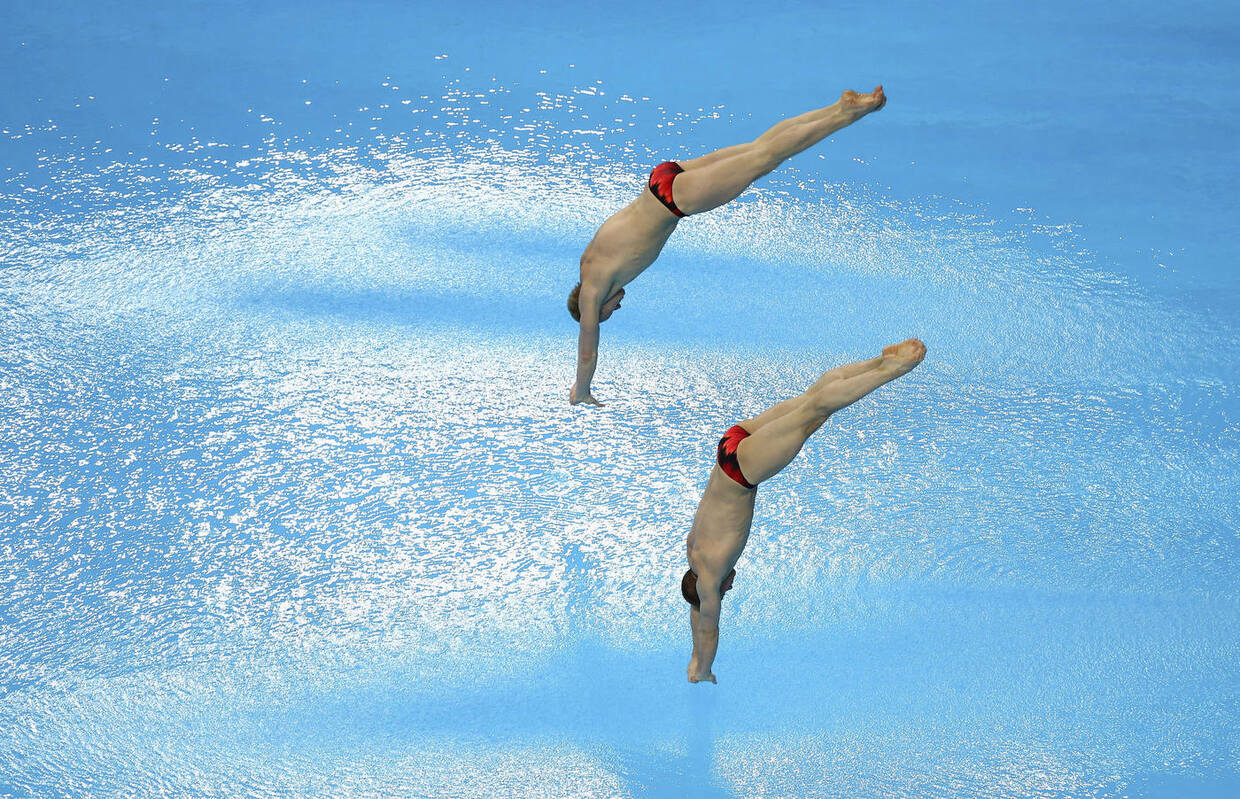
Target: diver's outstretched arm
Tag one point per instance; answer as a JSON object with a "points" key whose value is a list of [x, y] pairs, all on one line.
{"points": [[705, 621], [587, 355]]}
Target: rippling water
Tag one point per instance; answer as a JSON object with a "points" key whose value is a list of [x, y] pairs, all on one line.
{"points": [[294, 502]]}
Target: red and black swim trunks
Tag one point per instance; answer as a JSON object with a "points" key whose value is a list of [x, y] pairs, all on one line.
{"points": [[726, 454], [660, 184]]}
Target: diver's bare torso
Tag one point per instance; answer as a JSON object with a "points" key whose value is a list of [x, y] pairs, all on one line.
{"points": [[625, 246], [721, 525], [630, 241]]}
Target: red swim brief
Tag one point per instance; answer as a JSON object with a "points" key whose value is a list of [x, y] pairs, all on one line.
{"points": [[660, 184], [726, 454]]}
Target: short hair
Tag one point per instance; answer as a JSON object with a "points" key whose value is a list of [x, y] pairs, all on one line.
{"points": [[574, 309], [688, 587]]}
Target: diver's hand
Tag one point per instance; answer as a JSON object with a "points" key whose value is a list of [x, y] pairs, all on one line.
{"points": [[576, 397], [696, 675]]}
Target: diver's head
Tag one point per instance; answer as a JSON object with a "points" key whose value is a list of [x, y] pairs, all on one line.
{"points": [[688, 587], [574, 310]]}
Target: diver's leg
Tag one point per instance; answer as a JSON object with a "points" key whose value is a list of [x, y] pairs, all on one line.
{"points": [[715, 155], [779, 409], [773, 135], [737, 149], [773, 446], [717, 178]]}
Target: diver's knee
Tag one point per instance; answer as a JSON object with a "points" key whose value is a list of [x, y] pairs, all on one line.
{"points": [[763, 159]]}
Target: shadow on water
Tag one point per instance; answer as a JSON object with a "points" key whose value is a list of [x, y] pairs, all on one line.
{"points": [[938, 679], [656, 772], [633, 713], [685, 770], [1218, 785]]}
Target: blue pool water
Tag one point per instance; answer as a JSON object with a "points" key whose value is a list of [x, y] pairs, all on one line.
{"points": [[292, 502]]}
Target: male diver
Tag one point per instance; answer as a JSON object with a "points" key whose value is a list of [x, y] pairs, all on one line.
{"points": [[753, 451], [632, 238]]}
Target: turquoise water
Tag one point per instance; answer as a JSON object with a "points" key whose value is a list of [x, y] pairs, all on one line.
{"points": [[293, 502]]}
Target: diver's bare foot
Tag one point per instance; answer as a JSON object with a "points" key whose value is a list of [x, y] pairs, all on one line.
{"points": [[859, 105], [903, 357]]}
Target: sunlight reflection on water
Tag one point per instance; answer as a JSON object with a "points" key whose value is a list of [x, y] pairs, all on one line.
{"points": [[296, 423]]}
